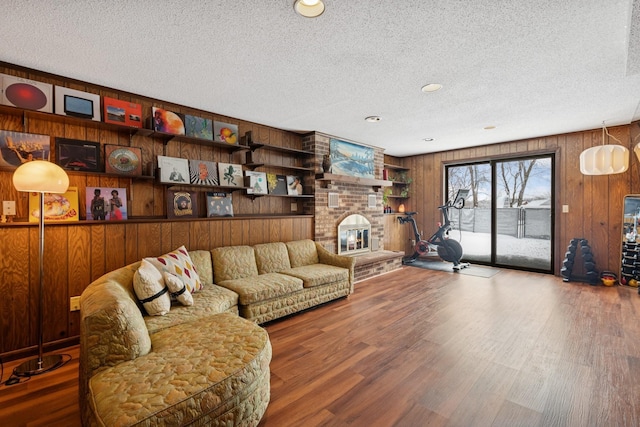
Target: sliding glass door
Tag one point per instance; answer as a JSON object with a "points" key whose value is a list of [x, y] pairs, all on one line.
{"points": [[508, 217]]}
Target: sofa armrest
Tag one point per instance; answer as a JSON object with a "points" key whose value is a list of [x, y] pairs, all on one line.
{"points": [[326, 257]]}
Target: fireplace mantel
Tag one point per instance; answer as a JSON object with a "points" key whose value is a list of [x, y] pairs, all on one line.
{"points": [[365, 182]]}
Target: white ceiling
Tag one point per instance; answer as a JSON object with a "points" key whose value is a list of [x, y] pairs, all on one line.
{"points": [[529, 68]]}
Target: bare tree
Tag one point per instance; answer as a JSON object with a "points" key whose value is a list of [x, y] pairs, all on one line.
{"points": [[515, 176]]}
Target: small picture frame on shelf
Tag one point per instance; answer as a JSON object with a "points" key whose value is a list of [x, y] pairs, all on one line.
{"points": [[123, 113], [230, 174], [78, 155], [173, 170], [17, 148], [256, 182], [167, 121], [198, 127], [219, 204], [24, 93], [294, 185], [76, 103], [122, 160], [106, 204], [182, 204], [203, 172], [225, 132], [277, 184]]}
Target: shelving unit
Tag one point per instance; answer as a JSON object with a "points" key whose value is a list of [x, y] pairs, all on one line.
{"points": [[398, 187]]}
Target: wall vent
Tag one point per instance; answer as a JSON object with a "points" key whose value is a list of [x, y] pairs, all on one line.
{"points": [[334, 200], [371, 201]]}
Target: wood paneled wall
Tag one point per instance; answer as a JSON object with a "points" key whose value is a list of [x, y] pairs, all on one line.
{"points": [[595, 202], [76, 254]]}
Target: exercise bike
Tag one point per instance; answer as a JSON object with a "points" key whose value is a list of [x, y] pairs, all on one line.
{"points": [[439, 243]]}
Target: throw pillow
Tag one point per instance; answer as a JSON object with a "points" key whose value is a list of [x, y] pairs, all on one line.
{"points": [[150, 289], [179, 263], [178, 289]]}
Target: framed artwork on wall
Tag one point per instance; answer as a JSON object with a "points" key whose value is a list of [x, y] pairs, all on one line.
{"points": [[173, 170], [78, 155], [225, 132], [256, 182], [76, 103], [203, 172], [198, 127], [25, 93], [230, 174], [167, 121], [122, 112], [182, 204], [348, 158], [123, 160], [19, 147], [219, 204], [106, 203], [57, 207]]}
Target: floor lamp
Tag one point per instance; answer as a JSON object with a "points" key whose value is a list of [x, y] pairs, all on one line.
{"points": [[40, 176]]}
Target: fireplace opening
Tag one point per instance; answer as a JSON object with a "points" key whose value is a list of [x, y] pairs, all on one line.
{"points": [[354, 235]]}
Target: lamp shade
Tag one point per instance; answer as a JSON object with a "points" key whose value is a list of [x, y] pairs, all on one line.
{"points": [[604, 160], [40, 176]]}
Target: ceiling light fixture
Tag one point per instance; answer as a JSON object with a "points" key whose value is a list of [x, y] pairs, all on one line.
{"points": [[431, 87], [490, 127], [309, 8], [605, 159], [373, 119], [427, 139]]}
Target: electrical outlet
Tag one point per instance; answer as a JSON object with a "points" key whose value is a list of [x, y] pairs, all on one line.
{"points": [[294, 207], [74, 304], [9, 207]]}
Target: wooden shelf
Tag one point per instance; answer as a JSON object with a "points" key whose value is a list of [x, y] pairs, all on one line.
{"points": [[367, 182], [167, 137], [395, 167], [254, 145], [253, 166]]}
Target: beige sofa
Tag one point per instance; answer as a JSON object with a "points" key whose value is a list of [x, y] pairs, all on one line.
{"points": [[201, 364]]}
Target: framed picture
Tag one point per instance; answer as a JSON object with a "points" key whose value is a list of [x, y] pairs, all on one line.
{"points": [[78, 155], [173, 170], [351, 159], [256, 182], [167, 121], [197, 127], [18, 147], [123, 160], [106, 203], [277, 184], [25, 93], [202, 172], [122, 112], [230, 174], [219, 204], [225, 132], [182, 204], [294, 185], [76, 103], [57, 207]]}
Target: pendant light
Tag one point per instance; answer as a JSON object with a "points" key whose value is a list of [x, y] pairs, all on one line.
{"points": [[605, 159]]}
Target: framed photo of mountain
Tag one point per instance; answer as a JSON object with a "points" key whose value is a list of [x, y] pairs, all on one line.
{"points": [[219, 204], [256, 182], [182, 204], [203, 172], [230, 175], [277, 184]]}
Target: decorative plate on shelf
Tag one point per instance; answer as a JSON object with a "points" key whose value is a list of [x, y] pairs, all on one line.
{"points": [[123, 160]]}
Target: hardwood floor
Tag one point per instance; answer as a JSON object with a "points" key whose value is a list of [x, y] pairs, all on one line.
{"points": [[418, 347]]}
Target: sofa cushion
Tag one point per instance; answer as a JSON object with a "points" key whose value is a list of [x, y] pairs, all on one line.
{"points": [[202, 263], [302, 252], [177, 289], [233, 262], [272, 257], [179, 263], [319, 274], [211, 300], [151, 290], [263, 287]]}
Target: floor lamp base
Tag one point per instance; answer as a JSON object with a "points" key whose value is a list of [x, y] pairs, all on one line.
{"points": [[37, 366]]}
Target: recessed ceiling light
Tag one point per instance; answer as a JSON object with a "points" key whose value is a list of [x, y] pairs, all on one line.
{"points": [[431, 87], [427, 139], [309, 8], [373, 119], [489, 127]]}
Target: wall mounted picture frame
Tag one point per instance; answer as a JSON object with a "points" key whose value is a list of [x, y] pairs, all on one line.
{"points": [[198, 127], [203, 172], [230, 174], [351, 159], [182, 204], [294, 185], [76, 103], [106, 204], [225, 132], [122, 160], [17, 148], [277, 184], [256, 182], [78, 155], [219, 204], [173, 170], [24, 93], [57, 207], [167, 121], [118, 112]]}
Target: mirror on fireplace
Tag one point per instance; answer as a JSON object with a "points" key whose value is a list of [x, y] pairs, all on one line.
{"points": [[630, 266]]}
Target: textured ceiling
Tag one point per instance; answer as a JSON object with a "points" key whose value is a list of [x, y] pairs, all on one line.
{"points": [[530, 69]]}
